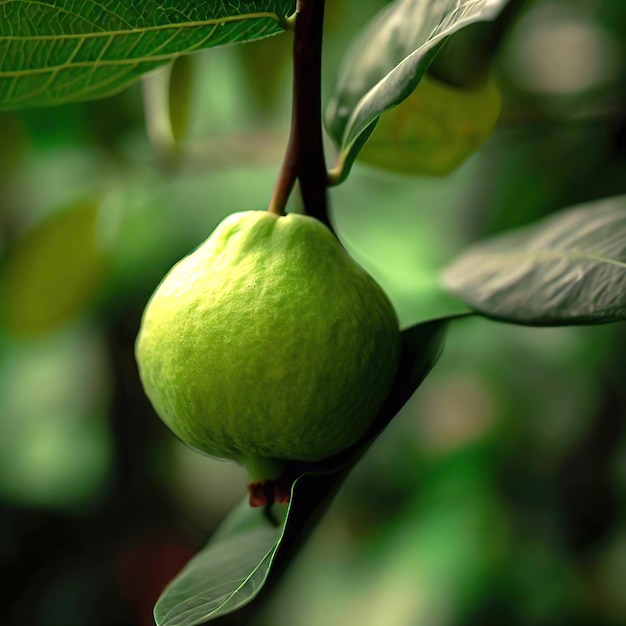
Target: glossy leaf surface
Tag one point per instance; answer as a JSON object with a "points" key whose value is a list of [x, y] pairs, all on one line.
{"points": [[57, 51], [387, 62], [567, 269], [229, 572]]}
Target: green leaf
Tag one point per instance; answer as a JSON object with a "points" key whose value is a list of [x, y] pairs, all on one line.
{"points": [[435, 129], [180, 96], [56, 51], [567, 269], [54, 270], [249, 549], [387, 62], [265, 67], [228, 573], [167, 96]]}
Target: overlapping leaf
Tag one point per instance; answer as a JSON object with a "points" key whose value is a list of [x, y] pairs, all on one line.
{"points": [[568, 269], [250, 549], [387, 62], [57, 51], [435, 129]]}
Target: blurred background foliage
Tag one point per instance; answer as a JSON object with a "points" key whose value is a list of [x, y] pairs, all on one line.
{"points": [[497, 496]]}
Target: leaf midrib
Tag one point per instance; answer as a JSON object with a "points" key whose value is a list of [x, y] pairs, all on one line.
{"points": [[147, 29], [189, 612], [555, 254]]}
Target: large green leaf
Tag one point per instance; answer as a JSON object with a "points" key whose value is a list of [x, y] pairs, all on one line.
{"points": [[57, 51], [251, 548], [567, 269], [388, 60]]}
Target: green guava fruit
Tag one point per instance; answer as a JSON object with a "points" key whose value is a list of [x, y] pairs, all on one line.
{"points": [[268, 344]]}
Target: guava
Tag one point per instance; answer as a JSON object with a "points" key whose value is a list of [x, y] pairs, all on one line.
{"points": [[268, 344]]}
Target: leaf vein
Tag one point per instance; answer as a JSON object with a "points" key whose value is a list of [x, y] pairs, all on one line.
{"points": [[556, 254], [160, 28]]}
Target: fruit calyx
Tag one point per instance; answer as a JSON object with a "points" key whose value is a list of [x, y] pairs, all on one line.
{"points": [[267, 481], [268, 492]]}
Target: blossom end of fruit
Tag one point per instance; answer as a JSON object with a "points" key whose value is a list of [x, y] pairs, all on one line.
{"points": [[268, 492]]}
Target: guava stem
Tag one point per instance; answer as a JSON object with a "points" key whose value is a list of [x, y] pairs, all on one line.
{"points": [[265, 484], [284, 185], [304, 159], [269, 492]]}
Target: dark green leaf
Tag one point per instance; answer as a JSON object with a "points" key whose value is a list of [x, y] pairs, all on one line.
{"points": [[250, 550], [387, 62], [181, 89], [567, 269], [57, 51]]}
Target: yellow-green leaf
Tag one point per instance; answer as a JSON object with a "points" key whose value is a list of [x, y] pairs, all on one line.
{"points": [[53, 271], [435, 129], [180, 96]]}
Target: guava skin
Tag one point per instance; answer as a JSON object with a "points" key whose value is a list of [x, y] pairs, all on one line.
{"points": [[268, 343]]}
